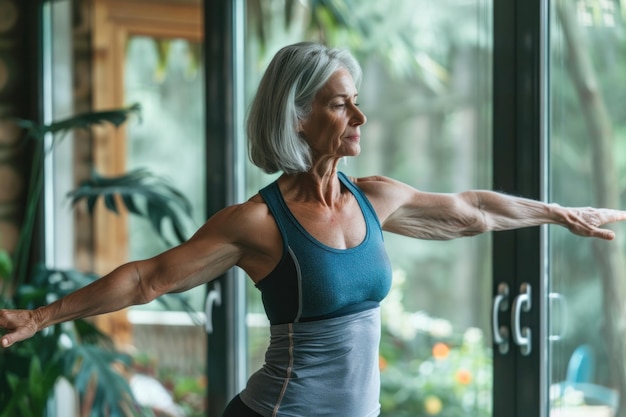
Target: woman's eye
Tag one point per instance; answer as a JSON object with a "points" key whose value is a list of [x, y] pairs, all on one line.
{"points": [[342, 105]]}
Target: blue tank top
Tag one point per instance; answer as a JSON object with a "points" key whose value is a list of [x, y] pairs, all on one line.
{"points": [[314, 281], [322, 303]]}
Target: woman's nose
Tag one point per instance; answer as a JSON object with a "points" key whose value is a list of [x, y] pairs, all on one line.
{"points": [[358, 118]]}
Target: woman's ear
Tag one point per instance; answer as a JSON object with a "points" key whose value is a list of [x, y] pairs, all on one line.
{"points": [[300, 129]]}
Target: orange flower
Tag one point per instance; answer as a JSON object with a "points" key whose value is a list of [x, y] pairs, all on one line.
{"points": [[382, 363], [440, 351], [463, 376]]}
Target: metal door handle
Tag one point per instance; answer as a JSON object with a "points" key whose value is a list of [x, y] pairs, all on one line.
{"points": [[555, 296], [500, 333], [522, 336], [214, 297]]}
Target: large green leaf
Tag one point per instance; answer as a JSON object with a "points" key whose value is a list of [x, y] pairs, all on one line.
{"points": [[141, 193], [80, 121], [92, 372]]}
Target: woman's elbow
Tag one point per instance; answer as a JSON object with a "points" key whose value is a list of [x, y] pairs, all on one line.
{"points": [[143, 289], [475, 226]]}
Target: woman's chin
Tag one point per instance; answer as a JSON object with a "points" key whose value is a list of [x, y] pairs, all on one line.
{"points": [[354, 150]]}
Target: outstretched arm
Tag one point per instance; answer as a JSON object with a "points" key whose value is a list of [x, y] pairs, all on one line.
{"points": [[208, 254], [409, 212]]}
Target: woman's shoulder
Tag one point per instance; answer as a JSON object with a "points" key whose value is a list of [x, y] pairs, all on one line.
{"points": [[249, 224], [377, 185], [257, 235], [385, 194], [252, 212]]}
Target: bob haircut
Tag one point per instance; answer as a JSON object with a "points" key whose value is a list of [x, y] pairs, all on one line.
{"points": [[285, 98]]}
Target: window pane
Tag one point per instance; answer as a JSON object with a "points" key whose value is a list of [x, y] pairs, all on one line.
{"points": [[427, 95], [165, 76], [587, 150]]}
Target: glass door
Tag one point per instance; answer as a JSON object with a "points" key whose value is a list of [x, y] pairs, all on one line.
{"points": [[586, 340], [427, 95]]}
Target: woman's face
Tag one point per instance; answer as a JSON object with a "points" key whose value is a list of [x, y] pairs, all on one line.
{"points": [[333, 127]]}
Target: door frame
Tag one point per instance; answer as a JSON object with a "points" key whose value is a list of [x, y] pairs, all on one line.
{"points": [[224, 56], [520, 115]]}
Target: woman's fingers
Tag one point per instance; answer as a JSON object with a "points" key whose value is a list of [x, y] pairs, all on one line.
{"points": [[604, 234], [17, 324], [587, 221]]}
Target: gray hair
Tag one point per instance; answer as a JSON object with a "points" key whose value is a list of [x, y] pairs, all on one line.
{"points": [[285, 98]]}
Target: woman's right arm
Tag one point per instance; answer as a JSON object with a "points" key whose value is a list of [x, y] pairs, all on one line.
{"points": [[217, 246]]}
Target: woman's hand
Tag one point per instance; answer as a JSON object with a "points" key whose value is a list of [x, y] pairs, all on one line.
{"points": [[21, 325], [587, 221]]}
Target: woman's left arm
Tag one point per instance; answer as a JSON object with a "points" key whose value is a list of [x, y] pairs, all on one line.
{"points": [[407, 211]]}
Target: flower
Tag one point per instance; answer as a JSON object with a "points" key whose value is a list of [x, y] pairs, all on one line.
{"points": [[432, 405], [440, 351], [473, 336], [440, 328], [463, 376], [382, 363]]}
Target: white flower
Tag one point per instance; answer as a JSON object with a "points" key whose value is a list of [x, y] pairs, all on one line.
{"points": [[441, 328], [473, 336]]}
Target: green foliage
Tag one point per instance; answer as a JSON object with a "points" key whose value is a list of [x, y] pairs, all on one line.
{"points": [[91, 372], [86, 120], [6, 265], [428, 369], [76, 351], [456, 383], [413, 39], [187, 391], [30, 395], [160, 200], [35, 133]]}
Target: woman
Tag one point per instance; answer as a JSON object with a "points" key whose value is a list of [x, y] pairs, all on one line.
{"points": [[312, 243]]}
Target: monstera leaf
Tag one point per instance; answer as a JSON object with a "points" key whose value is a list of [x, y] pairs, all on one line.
{"points": [[81, 121], [141, 193], [91, 370]]}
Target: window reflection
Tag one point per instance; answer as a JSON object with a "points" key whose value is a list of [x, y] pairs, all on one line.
{"points": [[588, 127]]}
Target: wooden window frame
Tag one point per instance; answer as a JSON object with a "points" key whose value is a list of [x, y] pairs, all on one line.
{"points": [[114, 22]]}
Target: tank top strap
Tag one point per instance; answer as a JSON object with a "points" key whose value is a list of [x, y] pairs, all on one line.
{"points": [[368, 210], [272, 197]]}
